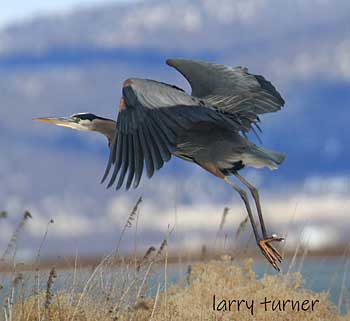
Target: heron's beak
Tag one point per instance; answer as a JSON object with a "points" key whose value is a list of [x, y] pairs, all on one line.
{"points": [[61, 121]]}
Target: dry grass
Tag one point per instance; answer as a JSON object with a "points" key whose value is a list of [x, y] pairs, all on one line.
{"points": [[11, 246], [139, 290], [192, 302]]}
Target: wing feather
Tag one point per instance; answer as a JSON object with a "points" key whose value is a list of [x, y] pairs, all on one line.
{"points": [[139, 159], [112, 155], [231, 90], [131, 158], [158, 138], [149, 136], [124, 161], [150, 121], [169, 134], [146, 152], [117, 149]]}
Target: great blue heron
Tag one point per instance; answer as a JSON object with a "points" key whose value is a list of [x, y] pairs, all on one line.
{"points": [[157, 120]]}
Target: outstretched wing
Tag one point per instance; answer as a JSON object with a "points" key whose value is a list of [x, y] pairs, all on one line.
{"points": [[231, 90], [151, 117]]}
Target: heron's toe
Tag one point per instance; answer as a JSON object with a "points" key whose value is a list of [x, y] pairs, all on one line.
{"points": [[275, 239], [271, 254]]}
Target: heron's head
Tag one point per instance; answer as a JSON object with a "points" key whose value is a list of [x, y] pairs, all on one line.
{"points": [[86, 122], [81, 121]]}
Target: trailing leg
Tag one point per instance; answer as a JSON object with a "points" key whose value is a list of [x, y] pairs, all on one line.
{"points": [[255, 194], [264, 244]]}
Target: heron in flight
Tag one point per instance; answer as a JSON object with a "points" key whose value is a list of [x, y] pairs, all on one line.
{"points": [[157, 120]]}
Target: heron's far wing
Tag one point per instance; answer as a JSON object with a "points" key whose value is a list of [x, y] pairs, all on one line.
{"points": [[151, 116], [231, 90]]}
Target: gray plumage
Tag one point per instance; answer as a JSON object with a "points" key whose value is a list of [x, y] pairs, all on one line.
{"points": [[207, 126], [157, 120]]}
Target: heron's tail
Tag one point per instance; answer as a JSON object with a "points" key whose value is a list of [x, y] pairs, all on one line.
{"points": [[276, 157], [261, 157]]}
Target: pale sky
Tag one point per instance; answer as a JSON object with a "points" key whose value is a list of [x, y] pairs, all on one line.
{"points": [[306, 58], [15, 10]]}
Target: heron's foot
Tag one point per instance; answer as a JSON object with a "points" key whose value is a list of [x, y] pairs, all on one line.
{"points": [[271, 254]]}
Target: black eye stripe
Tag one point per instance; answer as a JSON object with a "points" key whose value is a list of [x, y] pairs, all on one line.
{"points": [[87, 116]]}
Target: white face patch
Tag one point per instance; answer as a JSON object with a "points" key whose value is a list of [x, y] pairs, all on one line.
{"points": [[81, 121], [84, 124]]}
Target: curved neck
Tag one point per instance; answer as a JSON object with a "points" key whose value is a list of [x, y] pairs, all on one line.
{"points": [[105, 127]]}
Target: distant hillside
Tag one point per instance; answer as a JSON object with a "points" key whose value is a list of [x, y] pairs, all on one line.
{"points": [[57, 65]]}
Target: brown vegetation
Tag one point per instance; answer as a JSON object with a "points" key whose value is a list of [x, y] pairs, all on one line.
{"points": [[193, 301], [137, 288]]}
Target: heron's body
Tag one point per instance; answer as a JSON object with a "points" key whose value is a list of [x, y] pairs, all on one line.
{"points": [[226, 150], [157, 121]]}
